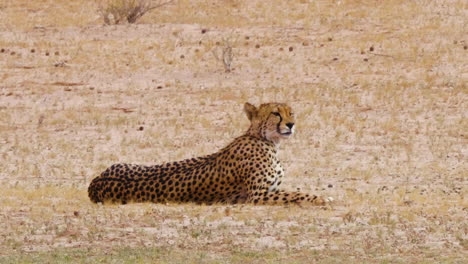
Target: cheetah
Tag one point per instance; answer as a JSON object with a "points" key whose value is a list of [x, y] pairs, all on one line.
{"points": [[246, 171]]}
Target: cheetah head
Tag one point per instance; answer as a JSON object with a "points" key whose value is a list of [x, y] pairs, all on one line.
{"points": [[272, 121]]}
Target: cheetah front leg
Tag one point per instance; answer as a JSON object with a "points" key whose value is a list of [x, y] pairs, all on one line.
{"points": [[262, 188], [259, 192], [282, 198]]}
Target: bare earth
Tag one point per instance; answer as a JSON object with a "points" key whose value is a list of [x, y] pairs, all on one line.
{"points": [[380, 94]]}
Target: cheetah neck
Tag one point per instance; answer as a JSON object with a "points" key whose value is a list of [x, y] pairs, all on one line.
{"points": [[257, 133], [258, 136]]}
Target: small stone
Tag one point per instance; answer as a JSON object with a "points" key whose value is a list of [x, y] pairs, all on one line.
{"points": [[408, 202]]}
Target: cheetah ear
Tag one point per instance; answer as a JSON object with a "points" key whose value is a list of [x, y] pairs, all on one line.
{"points": [[250, 110]]}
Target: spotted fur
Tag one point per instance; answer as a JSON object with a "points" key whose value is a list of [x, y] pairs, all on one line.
{"points": [[246, 171]]}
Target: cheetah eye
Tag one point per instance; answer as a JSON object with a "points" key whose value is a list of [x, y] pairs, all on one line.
{"points": [[291, 114], [276, 113]]}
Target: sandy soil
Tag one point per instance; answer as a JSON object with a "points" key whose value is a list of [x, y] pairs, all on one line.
{"points": [[380, 95]]}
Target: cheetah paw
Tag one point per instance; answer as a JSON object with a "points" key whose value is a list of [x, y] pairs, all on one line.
{"points": [[321, 201]]}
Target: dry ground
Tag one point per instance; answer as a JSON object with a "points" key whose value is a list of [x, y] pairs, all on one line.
{"points": [[379, 88]]}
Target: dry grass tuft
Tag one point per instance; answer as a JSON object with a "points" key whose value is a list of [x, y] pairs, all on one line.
{"points": [[127, 11], [223, 53]]}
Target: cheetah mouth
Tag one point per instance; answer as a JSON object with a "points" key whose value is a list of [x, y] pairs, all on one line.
{"points": [[286, 134]]}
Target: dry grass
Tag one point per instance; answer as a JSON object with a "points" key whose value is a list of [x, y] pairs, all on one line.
{"points": [[127, 11], [380, 95]]}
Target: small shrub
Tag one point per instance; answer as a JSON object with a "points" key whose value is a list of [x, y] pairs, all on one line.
{"points": [[226, 56], [121, 11]]}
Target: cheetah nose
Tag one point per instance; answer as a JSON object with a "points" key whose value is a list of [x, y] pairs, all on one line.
{"points": [[290, 125]]}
